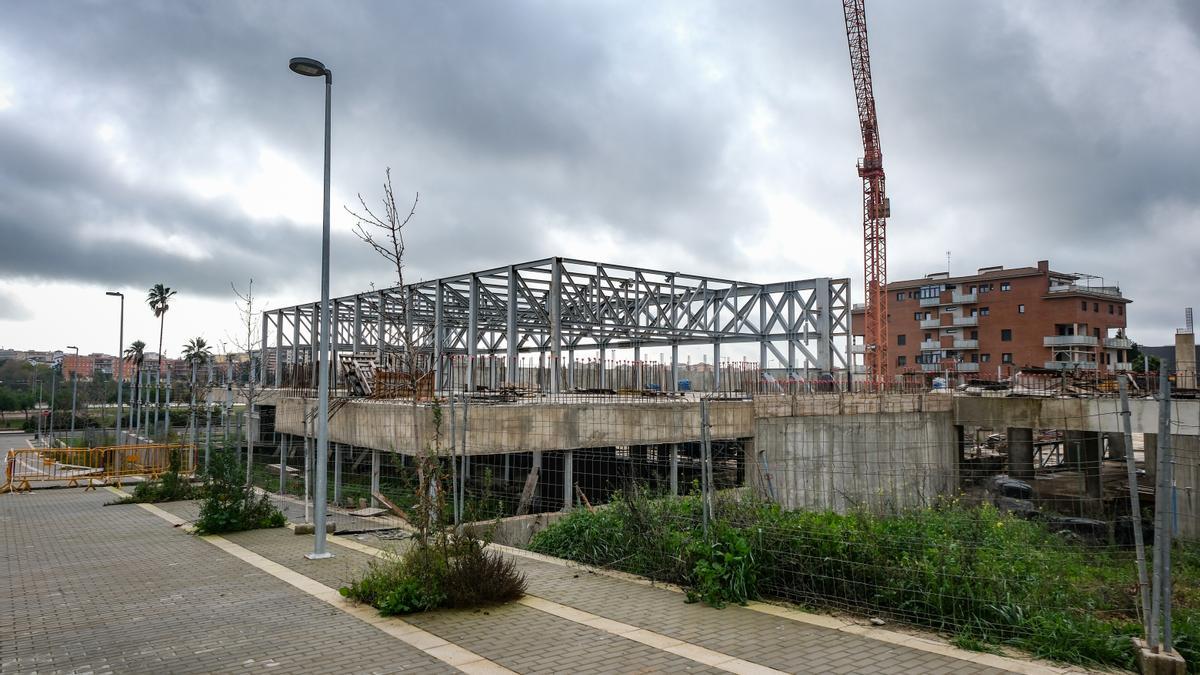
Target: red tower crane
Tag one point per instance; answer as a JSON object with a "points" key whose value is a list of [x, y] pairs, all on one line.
{"points": [[876, 206]]}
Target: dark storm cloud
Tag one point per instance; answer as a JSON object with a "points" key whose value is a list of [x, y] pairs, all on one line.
{"points": [[521, 122]]}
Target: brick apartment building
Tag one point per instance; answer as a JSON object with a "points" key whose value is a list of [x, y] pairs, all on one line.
{"points": [[1000, 320]]}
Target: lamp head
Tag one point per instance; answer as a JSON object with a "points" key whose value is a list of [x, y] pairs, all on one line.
{"points": [[303, 65]]}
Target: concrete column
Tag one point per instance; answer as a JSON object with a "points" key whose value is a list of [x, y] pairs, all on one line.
{"points": [[603, 364], [466, 466], [568, 479], [716, 366], [1073, 450], [675, 468], [637, 366], [824, 326], [507, 467], [337, 473], [1093, 462], [1020, 453], [571, 368], [1116, 444], [674, 367], [374, 476]]}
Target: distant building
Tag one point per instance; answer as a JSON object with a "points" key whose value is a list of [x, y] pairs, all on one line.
{"points": [[999, 320]]}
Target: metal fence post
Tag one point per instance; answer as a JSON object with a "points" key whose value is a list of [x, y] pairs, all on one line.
{"points": [[1135, 508]]}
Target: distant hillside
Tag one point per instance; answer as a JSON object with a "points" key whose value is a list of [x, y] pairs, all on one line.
{"points": [[1165, 354]]}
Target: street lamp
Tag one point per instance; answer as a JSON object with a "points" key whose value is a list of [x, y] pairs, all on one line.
{"points": [[118, 366], [313, 68], [74, 388]]}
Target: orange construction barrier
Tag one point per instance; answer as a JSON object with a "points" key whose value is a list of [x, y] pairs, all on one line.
{"points": [[68, 466]]}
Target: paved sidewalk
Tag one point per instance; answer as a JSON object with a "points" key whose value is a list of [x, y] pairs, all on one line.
{"points": [[119, 589]]}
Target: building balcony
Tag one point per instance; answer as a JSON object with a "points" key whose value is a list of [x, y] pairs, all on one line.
{"points": [[967, 367], [930, 302], [966, 321], [1070, 365], [1110, 291], [1069, 341], [963, 298], [1124, 366], [930, 368], [966, 344], [1118, 343], [931, 323], [931, 345]]}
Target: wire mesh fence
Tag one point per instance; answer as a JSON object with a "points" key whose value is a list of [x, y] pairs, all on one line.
{"points": [[999, 524]]}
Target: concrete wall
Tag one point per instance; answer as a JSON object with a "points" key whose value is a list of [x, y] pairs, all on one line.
{"points": [[1083, 414], [1186, 451], [499, 429], [880, 460]]}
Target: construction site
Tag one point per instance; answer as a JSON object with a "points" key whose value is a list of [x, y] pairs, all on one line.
{"points": [[723, 416]]}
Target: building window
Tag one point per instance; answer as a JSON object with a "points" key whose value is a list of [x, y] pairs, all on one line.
{"points": [[985, 358], [984, 311], [1005, 287], [974, 335], [1095, 307], [902, 360], [1006, 335], [1006, 357], [928, 336], [1020, 309], [1083, 304], [900, 297], [901, 340], [974, 358], [917, 316], [985, 288], [931, 291], [1110, 309]]}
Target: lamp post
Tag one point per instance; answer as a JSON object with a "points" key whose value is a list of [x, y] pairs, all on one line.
{"points": [[119, 365], [313, 68], [74, 388]]}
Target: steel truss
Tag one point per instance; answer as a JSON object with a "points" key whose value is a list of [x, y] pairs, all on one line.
{"points": [[549, 305]]}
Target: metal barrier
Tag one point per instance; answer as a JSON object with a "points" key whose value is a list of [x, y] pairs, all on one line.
{"points": [[68, 466]]}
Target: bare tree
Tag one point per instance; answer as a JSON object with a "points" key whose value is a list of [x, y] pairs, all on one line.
{"points": [[245, 384], [383, 231]]}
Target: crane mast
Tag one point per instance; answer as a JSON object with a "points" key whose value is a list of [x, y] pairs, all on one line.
{"points": [[876, 207]]}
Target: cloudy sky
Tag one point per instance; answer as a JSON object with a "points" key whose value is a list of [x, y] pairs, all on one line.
{"points": [[145, 142]]}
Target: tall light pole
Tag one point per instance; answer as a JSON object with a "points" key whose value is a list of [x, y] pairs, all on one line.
{"points": [[74, 388], [313, 68], [119, 365]]}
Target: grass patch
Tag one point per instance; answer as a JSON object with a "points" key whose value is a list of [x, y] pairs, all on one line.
{"points": [[449, 572], [986, 578]]}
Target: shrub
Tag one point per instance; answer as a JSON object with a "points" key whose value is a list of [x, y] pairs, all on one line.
{"points": [[229, 505], [170, 487], [984, 576], [456, 573]]}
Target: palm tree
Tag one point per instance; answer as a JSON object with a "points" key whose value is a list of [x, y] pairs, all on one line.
{"points": [[135, 355], [157, 299], [197, 352]]}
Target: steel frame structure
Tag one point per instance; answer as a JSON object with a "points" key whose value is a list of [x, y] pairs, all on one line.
{"points": [[557, 304]]}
